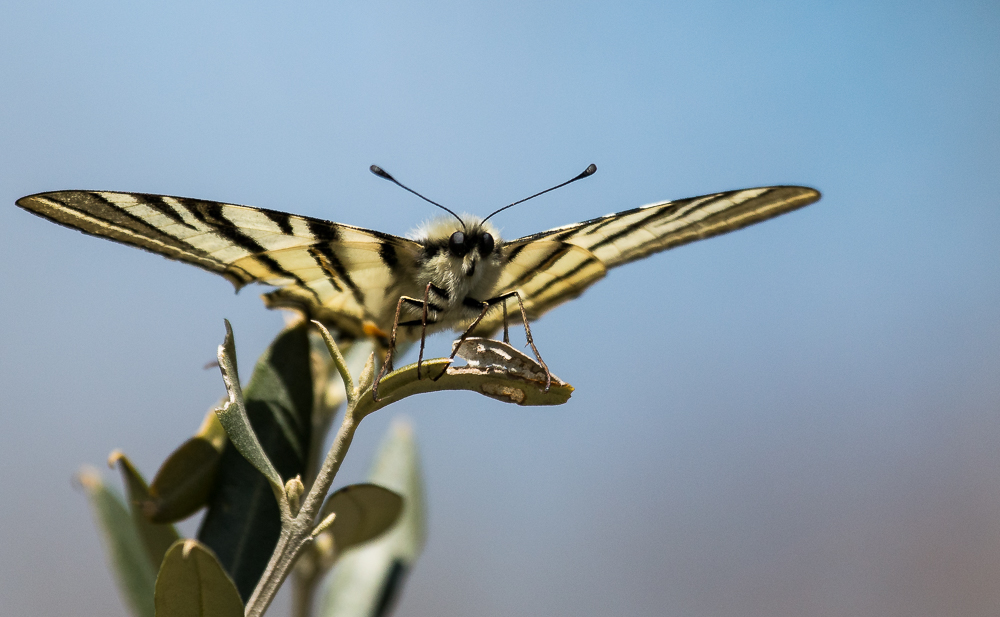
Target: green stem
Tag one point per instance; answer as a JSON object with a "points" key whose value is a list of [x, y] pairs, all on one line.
{"points": [[296, 531]]}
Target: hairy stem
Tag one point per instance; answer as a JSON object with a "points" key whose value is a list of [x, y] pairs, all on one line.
{"points": [[296, 532]]}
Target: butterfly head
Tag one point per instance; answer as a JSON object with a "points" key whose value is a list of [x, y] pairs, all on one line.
{"points": [[461, 242], [464, 257], [467, 246]]}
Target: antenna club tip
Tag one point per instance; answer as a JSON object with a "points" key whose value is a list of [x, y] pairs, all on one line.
{"points": [[589, 171], [378, 171]]}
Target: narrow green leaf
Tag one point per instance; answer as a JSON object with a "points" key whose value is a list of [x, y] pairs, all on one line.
{"points": [[356, 354], [397, 468], [243, 522], [126, 551], [211, 429], [156, 537], [192, 583], [184, 481], [367, 377], [363, 511], [367, 580], [338, 360], [233, 416], [506, 383]]}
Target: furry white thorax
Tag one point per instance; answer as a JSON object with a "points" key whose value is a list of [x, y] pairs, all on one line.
{"points": [[472, 277]]}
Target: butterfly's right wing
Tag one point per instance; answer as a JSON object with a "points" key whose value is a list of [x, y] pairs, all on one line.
{"points": [[545, 273], [554, 266], [341, 274], [623, 237]]}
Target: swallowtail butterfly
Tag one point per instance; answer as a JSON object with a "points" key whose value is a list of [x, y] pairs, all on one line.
{"points": [[449, 274]]}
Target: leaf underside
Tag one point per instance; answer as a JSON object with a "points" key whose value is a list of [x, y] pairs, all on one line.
{"points": [[242, 523], [368, 579], [126, 550], [192, 583]]}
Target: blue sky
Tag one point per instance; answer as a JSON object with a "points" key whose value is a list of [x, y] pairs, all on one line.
{"points": [[799, 418]]}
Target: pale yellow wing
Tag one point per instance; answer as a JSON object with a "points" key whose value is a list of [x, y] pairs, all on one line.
{"points": [[545, 273], [335, 272], [554, 266]]}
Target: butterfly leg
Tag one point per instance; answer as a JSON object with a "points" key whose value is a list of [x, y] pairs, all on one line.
{"points": [[502, 299], [465, 335], [387, 365], [527, 334], [423, 330], [506, 334]]}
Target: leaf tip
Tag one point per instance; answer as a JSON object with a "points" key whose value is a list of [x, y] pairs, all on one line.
{"points": [[402, 427], [189, 545], [367, 377], [89, 478], [115, 456]]}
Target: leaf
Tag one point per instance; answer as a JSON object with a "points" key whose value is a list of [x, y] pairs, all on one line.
{"points": [[507, 383], [367, 580], [242, 523], [129, 560], [233, 415], [490, 353], [338, 360], [156, 537], [192, 583], [184, 481], [363, 511]]}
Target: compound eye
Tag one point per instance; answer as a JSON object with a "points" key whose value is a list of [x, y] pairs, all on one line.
{"points": [[456, 244], [486, 244]]}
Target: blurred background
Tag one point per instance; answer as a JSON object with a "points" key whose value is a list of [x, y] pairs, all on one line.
{"points": [[801, 418]]}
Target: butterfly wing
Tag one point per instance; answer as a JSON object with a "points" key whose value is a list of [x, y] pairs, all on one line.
{"points": [[546, 273], [554, 266], [342, 274]]}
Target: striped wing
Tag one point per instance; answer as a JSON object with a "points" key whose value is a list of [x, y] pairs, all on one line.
{"points": [[554, 266], [344, 275]]}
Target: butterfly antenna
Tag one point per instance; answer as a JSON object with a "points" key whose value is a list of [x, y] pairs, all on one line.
{"points": [[381, 173], [589, 171]]}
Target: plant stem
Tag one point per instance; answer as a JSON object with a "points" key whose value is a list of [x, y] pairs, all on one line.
{"points": [[296, 531]]}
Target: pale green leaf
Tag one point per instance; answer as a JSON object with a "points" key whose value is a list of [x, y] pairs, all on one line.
{"points": [[368, 578], [191, 583], [338, 360], [243, 520], [184, 481], [130, 562], [156, 537], [363, 511], [233, 416], [509, 384]]}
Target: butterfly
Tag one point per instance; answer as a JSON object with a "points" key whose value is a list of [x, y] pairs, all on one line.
{"points": [[452, 273]]}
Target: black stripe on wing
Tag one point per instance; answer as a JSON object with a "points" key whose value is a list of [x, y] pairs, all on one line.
{"points": [[557, 265], [545, 273], [331, 258], [241, 243], [633, 234], [94, 214]]}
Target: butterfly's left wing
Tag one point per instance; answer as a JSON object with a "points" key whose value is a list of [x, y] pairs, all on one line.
{"points": [[347, 276], [554, 266]]}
